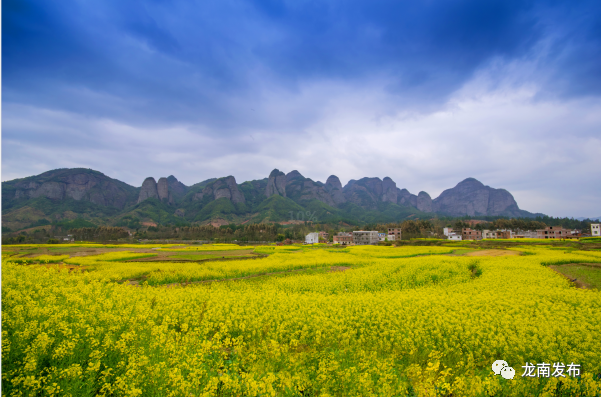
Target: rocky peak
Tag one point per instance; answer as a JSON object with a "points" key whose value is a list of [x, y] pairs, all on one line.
{"points": [[389, 190], [164, 191], [71, 183], [176, 186], [470, 183], [148, 190], [222, 187], [471, 197], [334, 188], [292, 175], [276, 184], [424, 202], [365, 192], [406, 198], [333, 182]]}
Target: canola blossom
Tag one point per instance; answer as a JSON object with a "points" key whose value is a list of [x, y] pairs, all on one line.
{"points": [[41, 259], [359, 321]]}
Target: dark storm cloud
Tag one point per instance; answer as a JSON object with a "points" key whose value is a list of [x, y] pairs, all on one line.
{"points": [[163, 62]]}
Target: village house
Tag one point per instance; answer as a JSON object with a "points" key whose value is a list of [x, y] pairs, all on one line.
{"points": [[552, 232], [324, 236], [524, 234], [489, 234], [447, 231], [596, 229], [365, 237], [343, 238], [504, 234], [454, 237], [312, 238], [396, 231], [469, 234]]}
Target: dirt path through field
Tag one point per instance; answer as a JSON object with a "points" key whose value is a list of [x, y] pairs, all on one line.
{"points": [[493, 252]]}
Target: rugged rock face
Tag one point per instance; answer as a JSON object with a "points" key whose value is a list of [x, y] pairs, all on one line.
{"points": [[373, 186], [389, 190], [300, 188], [292, 175], [176, 186], [148, 190], [364, 192], [334, 187], [406, 198], [77, 184], [471, 197], [312, 190], [424, 202], [223, 187], [163, 189], [276, 183]]}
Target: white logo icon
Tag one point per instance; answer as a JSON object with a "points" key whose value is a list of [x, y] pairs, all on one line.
{"points": [[508, 373], [501, 367], [498, 365]]}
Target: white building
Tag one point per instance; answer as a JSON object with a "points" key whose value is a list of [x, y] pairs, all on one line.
{"points": [[447, 231], [454, 236], [312, 238], [595, 229], [365, 238], [385, 237], [489, 234]]}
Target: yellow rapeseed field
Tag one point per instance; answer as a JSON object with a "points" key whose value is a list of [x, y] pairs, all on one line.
{"points": [[359, 321]]}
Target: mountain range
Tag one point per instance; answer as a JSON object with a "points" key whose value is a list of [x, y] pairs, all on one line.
{"points": [[64, 195]]}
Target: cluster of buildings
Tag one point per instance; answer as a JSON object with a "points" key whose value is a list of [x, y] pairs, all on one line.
{"points": [[550, 232], [359, 237], [362, 237]]}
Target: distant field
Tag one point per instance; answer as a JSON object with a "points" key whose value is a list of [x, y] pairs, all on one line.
{"points": [[298, 320], [214, 255]]}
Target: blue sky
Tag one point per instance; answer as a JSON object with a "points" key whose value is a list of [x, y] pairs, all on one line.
{"points": [[425, 92]]}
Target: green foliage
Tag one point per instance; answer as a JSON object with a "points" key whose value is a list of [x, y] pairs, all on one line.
{"points": [[323, 213], [475, 268], [81, 207], [276, 209], [155, 211], [220, 208], [40, 222], [52, 241], [385, 212], [254, 192], [99, 233], [590, 240], [129, 221], [74, 224]]}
